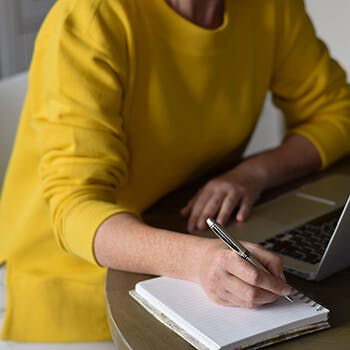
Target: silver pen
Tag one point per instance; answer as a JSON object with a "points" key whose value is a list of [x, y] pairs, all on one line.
{"points": [[236, 246]]}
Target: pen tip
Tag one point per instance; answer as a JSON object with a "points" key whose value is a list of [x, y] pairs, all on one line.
{"points": [[289, 299]]}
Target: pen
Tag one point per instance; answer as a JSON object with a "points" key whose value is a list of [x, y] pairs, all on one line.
{"points": [[237, 247]]}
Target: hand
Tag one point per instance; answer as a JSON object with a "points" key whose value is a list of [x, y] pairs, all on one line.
{"points": [[229, 280], [238, 188]]}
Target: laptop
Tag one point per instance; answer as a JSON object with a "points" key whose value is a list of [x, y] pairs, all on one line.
{"points": [[309, 227]]}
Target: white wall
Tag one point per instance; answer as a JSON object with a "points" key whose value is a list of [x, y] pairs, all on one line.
{"points": [[332, 22], [19, 23], [331, 19]]}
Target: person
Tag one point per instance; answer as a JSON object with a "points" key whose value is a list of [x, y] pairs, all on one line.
{"points": [[127, 100]]}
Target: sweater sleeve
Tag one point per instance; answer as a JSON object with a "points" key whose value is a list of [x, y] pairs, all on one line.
{"points": [[77, 86], [309, 86]]}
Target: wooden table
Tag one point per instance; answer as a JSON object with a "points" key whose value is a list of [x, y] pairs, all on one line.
{"points": [[132, 327]]}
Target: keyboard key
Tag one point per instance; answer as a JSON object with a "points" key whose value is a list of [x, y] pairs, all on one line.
{"points": [[306, 242]]}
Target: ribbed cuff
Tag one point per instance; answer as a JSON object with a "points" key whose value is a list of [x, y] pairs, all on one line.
{"points": [[331, 141]]}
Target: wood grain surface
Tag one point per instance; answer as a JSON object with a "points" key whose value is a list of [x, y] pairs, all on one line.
{"points": [[132, 327]]}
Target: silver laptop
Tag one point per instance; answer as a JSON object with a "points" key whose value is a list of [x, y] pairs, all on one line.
{"points": [[309, 227]]}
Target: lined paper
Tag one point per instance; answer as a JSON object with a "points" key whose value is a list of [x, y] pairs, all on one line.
{"points": [[219, 326]]}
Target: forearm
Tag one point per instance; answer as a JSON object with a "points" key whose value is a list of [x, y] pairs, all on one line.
{"points": [[124, 242], [294, 158]]}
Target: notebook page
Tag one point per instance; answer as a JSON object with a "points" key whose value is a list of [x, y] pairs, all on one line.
{"points": [[217, 326]]}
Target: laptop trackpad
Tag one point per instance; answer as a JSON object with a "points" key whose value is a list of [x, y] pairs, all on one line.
{"points": [[334, 188], [291, 209]]}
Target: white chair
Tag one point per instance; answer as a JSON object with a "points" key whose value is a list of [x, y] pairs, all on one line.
{"points": [[12, 93]]}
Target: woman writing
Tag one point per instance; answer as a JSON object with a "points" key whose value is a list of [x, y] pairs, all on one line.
{"points": [[128, 100]]}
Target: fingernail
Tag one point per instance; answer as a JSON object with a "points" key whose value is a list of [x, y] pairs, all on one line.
{"points": [[240, 217], [286, 290], [283, 276]]}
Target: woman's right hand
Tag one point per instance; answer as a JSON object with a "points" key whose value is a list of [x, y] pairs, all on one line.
{"points": [[231, 281]]}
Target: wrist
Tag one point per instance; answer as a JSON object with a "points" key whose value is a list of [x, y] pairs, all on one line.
{"points": [[206, 256], [253, 171], [199, 256]]}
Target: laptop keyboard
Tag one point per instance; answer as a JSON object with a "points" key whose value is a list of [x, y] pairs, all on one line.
{"points": [[306, 242]]}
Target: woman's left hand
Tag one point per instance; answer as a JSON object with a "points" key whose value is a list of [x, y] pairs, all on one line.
{"points": [[236, 189]]}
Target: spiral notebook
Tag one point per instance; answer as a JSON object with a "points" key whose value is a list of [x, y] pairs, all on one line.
{"points": [[184, 307]]}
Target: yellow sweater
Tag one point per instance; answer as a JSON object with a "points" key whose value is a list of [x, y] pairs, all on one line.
{"points": [[126, 101]]}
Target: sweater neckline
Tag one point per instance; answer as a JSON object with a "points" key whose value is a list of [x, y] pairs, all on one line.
{"points": [[185, 23], [179, 31]]}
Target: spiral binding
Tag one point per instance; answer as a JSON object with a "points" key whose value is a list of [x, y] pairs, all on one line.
{"points": [[302, 297]]}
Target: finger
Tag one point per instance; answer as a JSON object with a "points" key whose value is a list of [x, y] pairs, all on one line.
{"points": [[221, 300], [197, 208], [227, 207], [226, 292], [258, 278], [185, 211], [245, 208], [282, 275], [210, 209], [234, 300], [250, 295], [236, 292], [271, 261]]}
